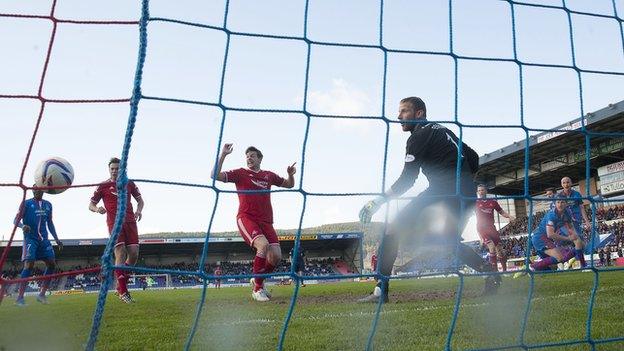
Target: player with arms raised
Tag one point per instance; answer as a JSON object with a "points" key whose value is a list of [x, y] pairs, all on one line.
{"points": [[490, 237], [255, 213], [36, 215], [127, 246]]}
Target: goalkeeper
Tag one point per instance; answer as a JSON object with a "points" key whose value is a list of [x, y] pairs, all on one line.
{"points": [[433, 148]]}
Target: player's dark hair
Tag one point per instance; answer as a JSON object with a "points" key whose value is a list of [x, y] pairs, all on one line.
{"points": [[254, 149], [113, 160], [482, 186], [417, 103]]}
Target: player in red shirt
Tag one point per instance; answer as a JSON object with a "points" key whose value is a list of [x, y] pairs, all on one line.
{"points": [[490, 237], [218, 273], [127, 246], [255, 214], [374, 263]]}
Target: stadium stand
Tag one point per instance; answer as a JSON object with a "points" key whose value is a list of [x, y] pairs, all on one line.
{"points": [[328, 254], [554, 155]]}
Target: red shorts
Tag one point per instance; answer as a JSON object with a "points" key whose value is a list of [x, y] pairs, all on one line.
{"points": [[250, 229], [129, 234], [489, 235]]}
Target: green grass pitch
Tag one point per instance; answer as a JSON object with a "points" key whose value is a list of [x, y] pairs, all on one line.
{"points": [[327, 318]]}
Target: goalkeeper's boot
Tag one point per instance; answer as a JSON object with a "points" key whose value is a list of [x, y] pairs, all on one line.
{"points": [[260, 295], [20, 302], [375, 296], [42, 299]]}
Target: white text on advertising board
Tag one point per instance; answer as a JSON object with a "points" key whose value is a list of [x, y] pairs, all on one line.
{"points": [[612, 168], [612, 187]]}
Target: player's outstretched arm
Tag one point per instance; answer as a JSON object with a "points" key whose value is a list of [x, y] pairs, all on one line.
{"points": [[370, 208], [138, 214], [94, 208], [50, 224], [216, 171], [507, 215], [290, 181], [406, 180]]}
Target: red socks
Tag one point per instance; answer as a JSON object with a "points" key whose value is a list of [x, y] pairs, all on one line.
{"points": [[122, 281], [492, 259], [259, 267], [503, 261]]}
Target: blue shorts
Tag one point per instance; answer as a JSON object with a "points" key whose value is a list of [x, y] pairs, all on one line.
{"points": [[541, 243], [577, 227], [35, 250]]}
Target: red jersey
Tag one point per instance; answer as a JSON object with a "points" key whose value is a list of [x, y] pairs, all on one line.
{"points": [[218, 271], [255, 205], [374, 261], [107, 191], [485, 212]]}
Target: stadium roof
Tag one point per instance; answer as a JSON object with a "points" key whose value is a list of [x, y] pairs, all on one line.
{"points": [[556, 153]]}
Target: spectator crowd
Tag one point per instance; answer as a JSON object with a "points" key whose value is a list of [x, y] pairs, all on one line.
{"points": [[91, 281]]}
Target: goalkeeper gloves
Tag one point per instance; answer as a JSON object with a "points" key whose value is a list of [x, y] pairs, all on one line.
{"points": [[367, 212]]}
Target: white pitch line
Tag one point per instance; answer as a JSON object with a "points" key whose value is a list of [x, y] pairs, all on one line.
{"points": [[392, 311]]}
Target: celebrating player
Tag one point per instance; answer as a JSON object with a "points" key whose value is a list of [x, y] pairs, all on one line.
{"points": [[127, 246], [486, 229], [36, 214], [255, 214], [548, 234], [433, 148]]}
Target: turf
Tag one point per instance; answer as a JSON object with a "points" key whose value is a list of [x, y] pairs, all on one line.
{"points": [[326, 317]]}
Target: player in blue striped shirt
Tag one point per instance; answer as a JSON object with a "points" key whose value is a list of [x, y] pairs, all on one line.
{"points": [[548, 235], [35, 219]]}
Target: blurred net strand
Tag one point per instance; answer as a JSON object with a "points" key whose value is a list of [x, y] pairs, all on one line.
{"points": [[137, 95]]}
